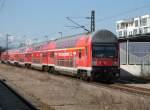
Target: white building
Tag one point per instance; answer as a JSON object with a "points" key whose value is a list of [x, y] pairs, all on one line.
{"points": [[133, 26]]}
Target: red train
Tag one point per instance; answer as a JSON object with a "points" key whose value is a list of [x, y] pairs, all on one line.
{"points": [[88, 56]]}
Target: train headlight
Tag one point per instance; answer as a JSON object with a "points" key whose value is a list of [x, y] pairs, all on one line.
{"points": [[117, 75], [94, 63], [115, 63]]}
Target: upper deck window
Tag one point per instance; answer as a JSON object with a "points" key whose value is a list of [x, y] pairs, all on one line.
{"points": [[52, 54], [104, 51]]}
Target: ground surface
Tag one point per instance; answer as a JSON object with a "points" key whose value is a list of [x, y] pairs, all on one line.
{"points": [[63, 93], [9, 100]]}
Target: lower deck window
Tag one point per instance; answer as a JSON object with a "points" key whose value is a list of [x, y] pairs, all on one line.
{"points": [[36, 61], [66, 63]]}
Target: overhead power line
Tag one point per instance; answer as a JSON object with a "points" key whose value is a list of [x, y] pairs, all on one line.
{"points": [[83, 27], [82, 17], [123, 13]]}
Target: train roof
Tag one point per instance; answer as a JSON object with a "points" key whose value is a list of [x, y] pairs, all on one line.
{"points": [[67, 42], [104, 36], [101, 36]]}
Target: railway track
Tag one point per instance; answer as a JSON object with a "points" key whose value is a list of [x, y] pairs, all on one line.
{"points": [[125, 88], [117, 86], [131, 89], [11, 100]]}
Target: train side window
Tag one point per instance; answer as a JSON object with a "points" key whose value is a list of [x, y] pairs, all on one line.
{"points": [[27, 55], [80, 53], [44, 55], [52, 54]]}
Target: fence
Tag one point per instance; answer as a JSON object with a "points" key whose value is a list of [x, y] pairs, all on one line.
{"points": [[145, 66], [136, 52]]}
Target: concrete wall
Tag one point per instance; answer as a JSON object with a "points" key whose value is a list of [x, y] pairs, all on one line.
{"points": [[130, 70]]}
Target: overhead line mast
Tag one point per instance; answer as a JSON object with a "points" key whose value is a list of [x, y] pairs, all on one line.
{"points": [[92, 21]]}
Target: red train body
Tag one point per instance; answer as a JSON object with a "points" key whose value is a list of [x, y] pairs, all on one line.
{"points": [[94, 55]]}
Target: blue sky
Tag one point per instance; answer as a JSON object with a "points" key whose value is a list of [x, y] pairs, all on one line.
{"points": [[37, 18]]}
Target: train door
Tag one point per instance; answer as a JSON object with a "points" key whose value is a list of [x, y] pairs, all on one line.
{"points": [[51, 58], [80, 57], [74, 59], [44, 58]]}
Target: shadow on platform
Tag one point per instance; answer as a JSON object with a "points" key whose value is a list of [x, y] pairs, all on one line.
{"points": [[128, 78]]}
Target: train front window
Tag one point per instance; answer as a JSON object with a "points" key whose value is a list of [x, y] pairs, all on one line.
{"points": [[104, 51]]}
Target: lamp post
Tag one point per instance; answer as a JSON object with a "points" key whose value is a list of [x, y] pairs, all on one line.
{"points": [[60, 34], [46, 37]]}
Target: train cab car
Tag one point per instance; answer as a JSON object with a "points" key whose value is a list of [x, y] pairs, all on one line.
{"points": [[105, 55], [88, 56]]}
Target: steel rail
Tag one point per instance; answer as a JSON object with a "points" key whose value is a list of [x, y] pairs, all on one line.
{"points": [[115, 86], [131, 89]]}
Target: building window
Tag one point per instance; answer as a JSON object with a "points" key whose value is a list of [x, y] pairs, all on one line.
{"points": [[145, 30], [130, 32], [136, 23], [126, 26], [120, 33], [125, 33], [140, 31], [143, 21], [134, 31]]}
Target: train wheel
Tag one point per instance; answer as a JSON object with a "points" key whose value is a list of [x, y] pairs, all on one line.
{"points": [[83, 75], [26, 65], [29, 66], [51, 70], [93, 77], [43, 68]]}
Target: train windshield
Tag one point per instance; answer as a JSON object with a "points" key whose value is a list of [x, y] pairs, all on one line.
{"points": [[104, 51]]}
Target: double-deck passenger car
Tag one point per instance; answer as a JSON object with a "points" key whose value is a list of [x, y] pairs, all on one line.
{"points": [[88, 56]]}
